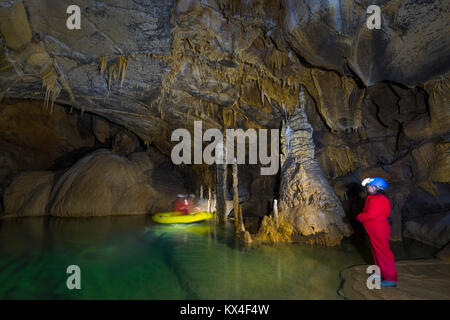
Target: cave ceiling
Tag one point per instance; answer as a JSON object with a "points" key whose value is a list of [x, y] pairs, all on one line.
{"points": [[153, 66]]}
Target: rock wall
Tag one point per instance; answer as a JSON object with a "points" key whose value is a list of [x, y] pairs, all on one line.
{"points": [[34, 138], [100, 184], [28, 194]]}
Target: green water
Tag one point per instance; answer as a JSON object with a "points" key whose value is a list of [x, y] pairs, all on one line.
{"points": [[134, 258]]}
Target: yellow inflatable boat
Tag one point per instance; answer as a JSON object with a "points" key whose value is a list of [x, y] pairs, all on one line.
{"points": [[179, 217]]}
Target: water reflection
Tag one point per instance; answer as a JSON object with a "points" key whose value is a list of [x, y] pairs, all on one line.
{"points": [[134, 258]]}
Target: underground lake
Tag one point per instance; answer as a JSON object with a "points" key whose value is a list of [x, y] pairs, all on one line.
{"points": [[135, 258], [195, 150]]}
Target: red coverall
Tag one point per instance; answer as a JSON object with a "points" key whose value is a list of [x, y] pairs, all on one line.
{"points": [[374, 219], [186, 206], [183, 205]]}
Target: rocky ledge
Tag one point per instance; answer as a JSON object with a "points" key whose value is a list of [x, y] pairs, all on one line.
{"points": [[417, 280]]}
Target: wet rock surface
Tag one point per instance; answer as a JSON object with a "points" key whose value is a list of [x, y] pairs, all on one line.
{"points": [[417, 280], [433, 229]]}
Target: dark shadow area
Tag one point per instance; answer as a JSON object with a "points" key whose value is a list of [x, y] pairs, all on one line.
{"points": [[352, 207], [70, 158]]}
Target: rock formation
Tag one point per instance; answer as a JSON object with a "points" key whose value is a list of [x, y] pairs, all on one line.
{"points": [[421, 279], [378, 106], [28, 194], [99, 184], [310, 208], [34, 139]]}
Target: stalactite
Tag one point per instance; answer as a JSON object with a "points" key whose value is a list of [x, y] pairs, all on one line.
{"points": [[115, 70], [236, 197], [229, 117], [276, 59], [103, 65], [123, 62], [52, 88], [262, 96], [209, 198]]}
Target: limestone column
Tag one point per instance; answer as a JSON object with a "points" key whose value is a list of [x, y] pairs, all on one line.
{"points": [[309, 208]]}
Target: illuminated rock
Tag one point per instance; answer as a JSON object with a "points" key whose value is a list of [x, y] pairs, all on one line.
{"points": [[310, 209]]}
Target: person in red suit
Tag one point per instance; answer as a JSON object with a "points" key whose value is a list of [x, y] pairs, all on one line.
{"points": [[185, 204], [376, 222]]}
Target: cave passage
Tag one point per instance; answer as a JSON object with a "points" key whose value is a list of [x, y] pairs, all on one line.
{"points": [[94, 95]]}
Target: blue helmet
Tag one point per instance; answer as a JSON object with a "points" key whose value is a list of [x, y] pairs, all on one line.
{"points": [[375, 181]]}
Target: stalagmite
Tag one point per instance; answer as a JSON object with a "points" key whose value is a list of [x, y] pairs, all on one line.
{"points": [[238, 220], [209, 199], [221, 182], [224, 187], [235, 197], [309, 208], [275, 210]]}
